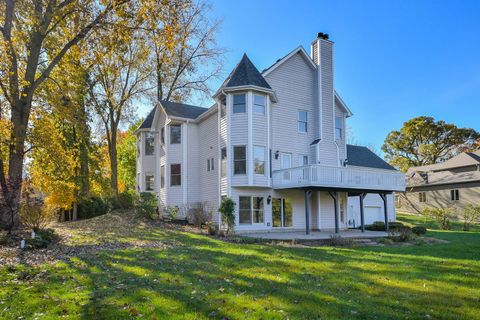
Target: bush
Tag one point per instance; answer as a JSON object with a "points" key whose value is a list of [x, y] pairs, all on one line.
{"points": [[470, 214], [380, 226], [198, 215], [33, 213], [146, 205], [419, 230], [123, 200], [91, 207], [42, 239], [402, 234], [441, 215], [212, 228], [171, 212], [339, 241], [227, 209]]}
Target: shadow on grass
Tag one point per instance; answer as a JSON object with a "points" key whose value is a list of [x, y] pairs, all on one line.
{"points": [[196, 277]]}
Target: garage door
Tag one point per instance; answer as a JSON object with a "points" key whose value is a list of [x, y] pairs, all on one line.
{"points": [[373, 213]]}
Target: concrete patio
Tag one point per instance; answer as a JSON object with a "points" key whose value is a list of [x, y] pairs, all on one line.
{"points": [[314, 235]]}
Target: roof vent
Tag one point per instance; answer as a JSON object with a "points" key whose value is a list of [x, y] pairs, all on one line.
{"points": [[322, 35]]}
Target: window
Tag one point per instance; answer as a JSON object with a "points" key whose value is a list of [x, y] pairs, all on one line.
{"points": [[149, 182], [259, 104], [286, 159], [422, 197], [259, 159], [338, 128], [239, 105], [162, 176], [257, 209], [162, 135], [175, 174], [175, 134], [455, 195], [281, 212], [245, 214], [210, 165], [302, 160], [251, 210], [149, 144], [302, 121], [223, 108], [223, 163], [239, 160]]}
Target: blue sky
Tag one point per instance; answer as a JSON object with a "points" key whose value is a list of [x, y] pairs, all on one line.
{"points": [[394, 60]]}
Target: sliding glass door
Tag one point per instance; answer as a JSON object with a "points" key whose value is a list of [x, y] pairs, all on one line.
{"points": [[281, 212]]}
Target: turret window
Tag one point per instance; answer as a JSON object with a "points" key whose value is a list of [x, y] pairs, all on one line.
{"points": [[149, 144], [239, 103], [239, 160], [259, 104], [175, 134], [259, 159]]}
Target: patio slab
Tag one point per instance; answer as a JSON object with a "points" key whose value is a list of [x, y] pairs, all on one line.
{"points": [[314, 235]]}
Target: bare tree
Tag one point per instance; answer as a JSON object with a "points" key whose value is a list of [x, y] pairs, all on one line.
{"points": [[116, 81], [194, 61]]}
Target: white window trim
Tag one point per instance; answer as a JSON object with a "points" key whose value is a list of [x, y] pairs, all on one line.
{"points": [[145, 181], [264, 105], [298, 121], [233, 160], [233, 103], [282, 213], [251, 211], [264, 161]]}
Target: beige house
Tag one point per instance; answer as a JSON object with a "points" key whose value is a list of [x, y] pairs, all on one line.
{"points": [[452, 184]]}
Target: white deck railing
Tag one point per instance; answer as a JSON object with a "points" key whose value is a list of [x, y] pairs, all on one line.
{"points": [[350, 177]]}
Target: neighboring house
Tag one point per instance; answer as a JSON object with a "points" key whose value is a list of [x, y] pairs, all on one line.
{"points": [[454, 183], [275, 142]]}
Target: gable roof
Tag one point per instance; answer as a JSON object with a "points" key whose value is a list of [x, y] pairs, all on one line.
{"points": [[442, 178], [464, 159], [363, 157], [147, 123], [182, 110], [246, 74], [173, 109], [280, 61]]}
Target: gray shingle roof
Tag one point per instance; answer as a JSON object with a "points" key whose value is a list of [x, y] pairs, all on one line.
{"points": [[444, 173], [182, 110], [244, 74], [174, 109], [147, 123], [364, 157]]}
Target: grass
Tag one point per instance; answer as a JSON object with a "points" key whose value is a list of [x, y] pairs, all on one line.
{"points": [[197, 277]]}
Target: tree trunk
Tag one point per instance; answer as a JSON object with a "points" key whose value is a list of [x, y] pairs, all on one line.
{"points": [[84, 154], [10, 217], [112, 152]]}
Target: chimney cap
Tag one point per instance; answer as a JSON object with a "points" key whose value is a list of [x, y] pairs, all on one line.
{"points": [[322, 35]]}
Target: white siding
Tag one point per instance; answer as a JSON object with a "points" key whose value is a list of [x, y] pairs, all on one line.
{"points": [[294, 82], [208, 142]]}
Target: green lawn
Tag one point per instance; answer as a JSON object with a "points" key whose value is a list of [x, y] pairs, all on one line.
{"points": [[196, 277]]}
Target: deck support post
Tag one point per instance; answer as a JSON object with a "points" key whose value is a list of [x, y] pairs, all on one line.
{"points": [[334, 195], [385, 209], [362, 213], [307, 212]]}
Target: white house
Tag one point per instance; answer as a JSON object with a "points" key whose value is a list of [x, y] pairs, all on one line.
{"points": [[275, 142]]}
